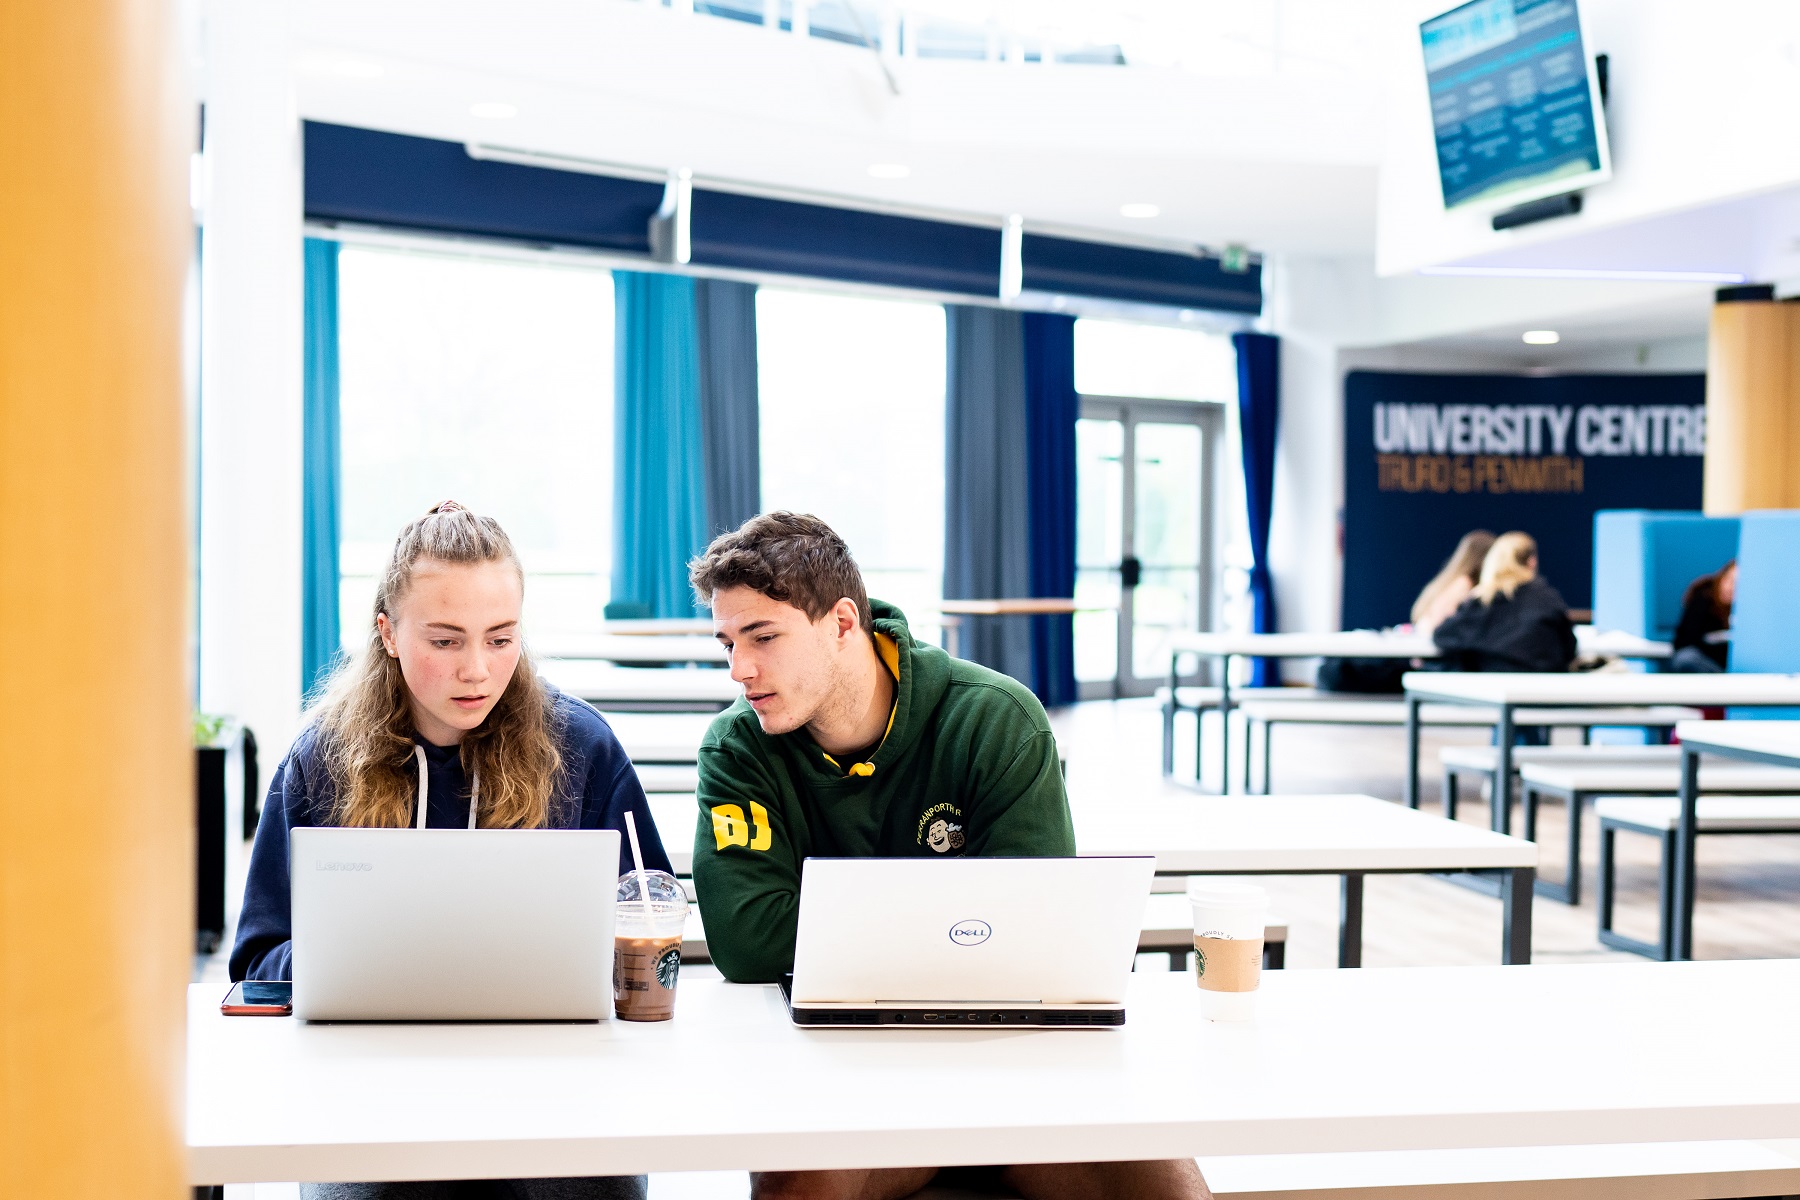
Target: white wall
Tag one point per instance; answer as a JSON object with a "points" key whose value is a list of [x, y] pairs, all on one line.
{"points": [[250, 451]]}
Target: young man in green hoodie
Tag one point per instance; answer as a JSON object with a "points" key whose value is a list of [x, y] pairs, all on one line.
{"points": [[854, 740]]}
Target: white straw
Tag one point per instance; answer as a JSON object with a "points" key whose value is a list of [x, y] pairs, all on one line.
{"points": [[637, 856]]}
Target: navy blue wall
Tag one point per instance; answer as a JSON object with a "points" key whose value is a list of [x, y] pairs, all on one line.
{"points": [[1430, 457]]}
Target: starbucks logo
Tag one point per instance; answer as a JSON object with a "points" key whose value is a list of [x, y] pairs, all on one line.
{"points": [[668, 966], [1199, 961]]}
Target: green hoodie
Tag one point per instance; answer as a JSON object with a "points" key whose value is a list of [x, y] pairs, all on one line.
{"points": [[969, 766]]}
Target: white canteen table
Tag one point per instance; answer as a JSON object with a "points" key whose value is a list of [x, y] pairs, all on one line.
{"points": [[1506, 692], [660, 626], [630, 648], [606, 685], [1348, 836], [1353, 643], [1775, 743], [1335, 1061]]}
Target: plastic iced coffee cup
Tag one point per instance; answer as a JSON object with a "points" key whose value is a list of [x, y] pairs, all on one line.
{"points": [[647, 947], [1228, 946]]}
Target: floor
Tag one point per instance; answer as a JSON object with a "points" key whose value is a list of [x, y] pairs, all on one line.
{"points": [[1749, 886]]}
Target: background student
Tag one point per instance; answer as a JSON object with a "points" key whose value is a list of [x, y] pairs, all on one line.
{"points": [[1439, 598], [1513, 620], [1705, 614], [441, 722]]}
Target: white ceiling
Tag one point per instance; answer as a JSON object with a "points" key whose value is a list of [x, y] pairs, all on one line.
{"points": [[1280, 161]]}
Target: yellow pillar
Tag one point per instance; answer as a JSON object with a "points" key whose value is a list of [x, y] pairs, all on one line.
{"points": [[96, 845], [1752, 407]]}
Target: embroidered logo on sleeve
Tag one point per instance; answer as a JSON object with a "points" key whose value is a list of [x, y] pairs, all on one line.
{"points": [[731, 829], [941, 829]]}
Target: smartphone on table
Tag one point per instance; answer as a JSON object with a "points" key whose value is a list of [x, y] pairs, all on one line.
{"points": [[259, 998]]}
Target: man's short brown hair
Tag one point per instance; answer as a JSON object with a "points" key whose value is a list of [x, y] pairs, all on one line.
{"points": [[791, 557]]}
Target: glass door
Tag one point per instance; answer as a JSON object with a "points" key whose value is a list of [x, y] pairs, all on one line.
{"points": [[1144, 537]]}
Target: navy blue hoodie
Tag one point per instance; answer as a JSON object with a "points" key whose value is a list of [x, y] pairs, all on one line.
{"points": [[301, 793]]}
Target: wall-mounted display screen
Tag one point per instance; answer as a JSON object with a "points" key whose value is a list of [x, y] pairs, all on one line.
{"points": [[1514, 101]]}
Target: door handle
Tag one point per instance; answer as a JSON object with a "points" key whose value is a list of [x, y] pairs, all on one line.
{"points": [[1131, 571]]}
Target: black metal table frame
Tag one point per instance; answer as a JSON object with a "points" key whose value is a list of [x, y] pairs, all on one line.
{"points": [[1679, 940], [1513, 884]]}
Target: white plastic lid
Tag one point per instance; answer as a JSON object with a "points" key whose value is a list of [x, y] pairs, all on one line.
{"points": [[1217, 893]]}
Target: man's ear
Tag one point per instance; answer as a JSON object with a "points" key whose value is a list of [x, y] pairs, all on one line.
{"points": [[848, 620]]}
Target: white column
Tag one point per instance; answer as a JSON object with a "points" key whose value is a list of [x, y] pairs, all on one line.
{"points": [[250, 433]]}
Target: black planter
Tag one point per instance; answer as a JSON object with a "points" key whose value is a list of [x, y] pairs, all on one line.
{"points": [[209, 848]]}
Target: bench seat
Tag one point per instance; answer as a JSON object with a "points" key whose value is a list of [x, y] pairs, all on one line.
{"points": [[1483, 758], [1660, 816], [1199, 701], [667, 777], [1576, 783]]}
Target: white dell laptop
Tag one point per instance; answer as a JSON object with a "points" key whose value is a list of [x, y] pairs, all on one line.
{"points": [[453, 924], [966, 942]]}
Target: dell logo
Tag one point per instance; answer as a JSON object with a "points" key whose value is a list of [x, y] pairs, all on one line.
{"points": [[328, 865], [971, 933]]}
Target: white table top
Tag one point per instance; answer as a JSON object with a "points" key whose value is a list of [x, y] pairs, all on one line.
{"points": [[672, 737], [603, 683], [1372, 643], [1337, 1060], [1349, 643], [660, 627], [1759, 737], [1598, 689], [1230, 834], [630, 648]]}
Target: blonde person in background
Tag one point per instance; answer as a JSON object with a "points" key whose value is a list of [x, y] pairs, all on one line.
{"points": [[1513, 620], [1454, 584], [1441, 597]]}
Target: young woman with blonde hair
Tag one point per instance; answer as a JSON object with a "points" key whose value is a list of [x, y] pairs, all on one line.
{"points": [[1452, 585], [1513, 619], [441, 721]]}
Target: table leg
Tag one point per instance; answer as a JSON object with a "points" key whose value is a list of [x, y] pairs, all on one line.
{"points": [[1678, 943], [1350, 913], [1412, 751], [1224, 728], [1516, 889], [1501, 803]]}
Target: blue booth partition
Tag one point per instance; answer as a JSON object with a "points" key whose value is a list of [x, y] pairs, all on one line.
{"points": [[1765, 617], [1644, 561]]}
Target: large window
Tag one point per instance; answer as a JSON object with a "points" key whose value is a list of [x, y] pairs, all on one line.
{"points": [[487, 381], [852, 395]]}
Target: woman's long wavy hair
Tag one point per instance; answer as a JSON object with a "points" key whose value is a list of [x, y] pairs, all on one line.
{"points": [[1507, 565], [1464, 563], [364, 716]]}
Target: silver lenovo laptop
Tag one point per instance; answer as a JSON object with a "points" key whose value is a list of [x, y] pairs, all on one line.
{"points": [[966, 941], [453, 924]]}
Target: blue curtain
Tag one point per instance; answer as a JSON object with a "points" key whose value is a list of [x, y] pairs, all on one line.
{"points": [[321, 480], [725, 313], [986, 546], [1259, 417], [659, 468], [1051, 410]]}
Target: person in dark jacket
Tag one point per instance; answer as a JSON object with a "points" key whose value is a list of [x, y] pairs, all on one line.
{"points": [[1513, 621], [440, 721], [1700, 646]]}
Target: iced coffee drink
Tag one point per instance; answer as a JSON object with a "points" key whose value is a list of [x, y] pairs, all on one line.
{"points": [[647, 947]]}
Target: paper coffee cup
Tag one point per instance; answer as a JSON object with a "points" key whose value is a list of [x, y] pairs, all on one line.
{"points": [[1228, 946]]}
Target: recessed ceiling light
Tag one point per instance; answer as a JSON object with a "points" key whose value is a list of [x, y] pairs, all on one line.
{"points": [[1139, 211], [889, 170], [1542, 337], [493, 110]]}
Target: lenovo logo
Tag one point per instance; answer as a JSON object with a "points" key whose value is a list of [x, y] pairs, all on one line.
{"points": [[330, 865]]}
